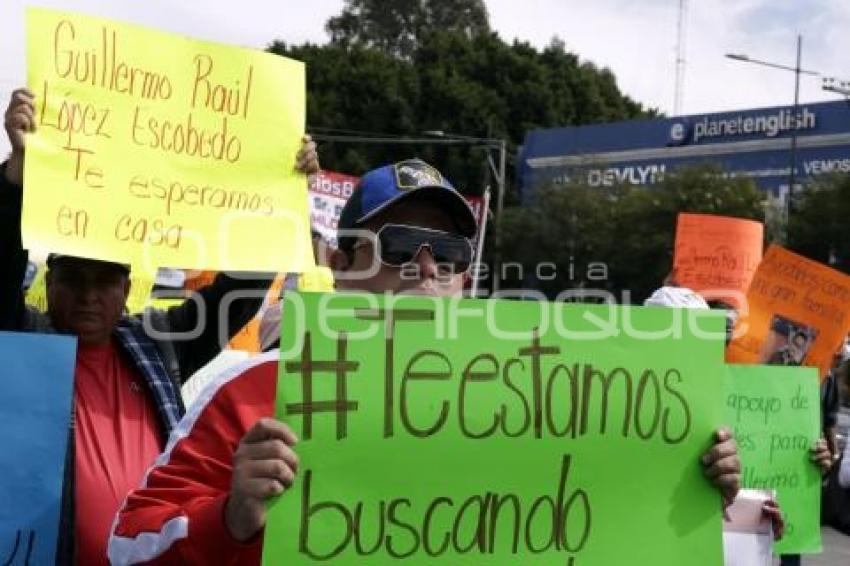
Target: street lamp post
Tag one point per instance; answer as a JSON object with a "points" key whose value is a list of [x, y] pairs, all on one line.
{"points": [[797, 70], [792, 175]]}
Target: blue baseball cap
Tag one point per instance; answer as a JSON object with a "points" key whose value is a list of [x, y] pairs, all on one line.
{"points": [[381, 188]]}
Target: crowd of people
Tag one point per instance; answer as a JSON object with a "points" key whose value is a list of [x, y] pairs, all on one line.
{"points": [[147, 482]]}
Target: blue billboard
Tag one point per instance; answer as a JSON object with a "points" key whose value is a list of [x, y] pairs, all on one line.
{"points": [[752, 143]]}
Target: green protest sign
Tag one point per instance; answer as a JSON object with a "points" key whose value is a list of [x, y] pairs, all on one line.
{"points": [[498, 432], [775, 414]]}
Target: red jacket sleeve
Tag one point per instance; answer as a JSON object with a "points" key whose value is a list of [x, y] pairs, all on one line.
{"points": [[177, 515]]}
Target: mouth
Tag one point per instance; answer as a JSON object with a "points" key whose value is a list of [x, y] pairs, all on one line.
{"points": [[422, 291], [86, 315]]}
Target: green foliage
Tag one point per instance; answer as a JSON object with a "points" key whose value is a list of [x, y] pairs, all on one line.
{"points": [[396, 27], [401, 68], [357, 89], [629, 229], [818, 222], [451, 74]]}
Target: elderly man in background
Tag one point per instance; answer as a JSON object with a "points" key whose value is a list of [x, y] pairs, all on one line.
{"points": [[126, 382]]}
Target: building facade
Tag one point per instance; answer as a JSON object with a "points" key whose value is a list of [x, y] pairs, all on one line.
{"points": [[753, 143]]}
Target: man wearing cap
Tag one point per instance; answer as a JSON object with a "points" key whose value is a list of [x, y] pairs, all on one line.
{"points": [[204, 502], [126, 382]]}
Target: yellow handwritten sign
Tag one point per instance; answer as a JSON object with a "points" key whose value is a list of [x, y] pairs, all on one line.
{"points": [[154, 149]]}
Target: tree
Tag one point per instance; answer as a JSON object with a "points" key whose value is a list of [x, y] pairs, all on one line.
{"points": [[818, 223], [357, 89], [628, 229], [479, 86], [401, 68], [396, 27]]}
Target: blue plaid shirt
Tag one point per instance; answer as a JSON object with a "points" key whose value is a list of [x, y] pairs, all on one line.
{"points": [[148, 360]]}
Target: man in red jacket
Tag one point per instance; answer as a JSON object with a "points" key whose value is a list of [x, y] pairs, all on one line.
{"points": [[204, 501]]}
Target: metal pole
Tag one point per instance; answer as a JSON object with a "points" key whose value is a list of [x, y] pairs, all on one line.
{"points": [[479, 244], [497, 228], [796, 125], [679, 89]]}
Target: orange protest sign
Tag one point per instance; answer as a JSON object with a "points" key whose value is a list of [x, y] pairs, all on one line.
{"points": [[717, 256], [798, 313]]}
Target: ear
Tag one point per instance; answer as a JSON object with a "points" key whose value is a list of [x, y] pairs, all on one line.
{"points": [[339, 263], [339, 260], [325, 253]]}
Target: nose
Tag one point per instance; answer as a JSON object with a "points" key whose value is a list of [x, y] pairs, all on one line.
{"points": [[88, 294], [428, 268], [86, 291]]}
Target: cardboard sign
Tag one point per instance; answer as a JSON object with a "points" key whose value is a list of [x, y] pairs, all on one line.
{"points": [[747, 531], [477, 206], [154, 149], [797, 313], [35, 409], [329, 192], [717, 256], [775, 413], [450, 431]]}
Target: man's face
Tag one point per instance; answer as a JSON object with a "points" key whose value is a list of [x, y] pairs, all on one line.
{"points": [[798, 343], [422, 276], [86, 298]]}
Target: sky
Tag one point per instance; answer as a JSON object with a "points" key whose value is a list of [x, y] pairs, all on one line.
{"points": [[636, 39]]}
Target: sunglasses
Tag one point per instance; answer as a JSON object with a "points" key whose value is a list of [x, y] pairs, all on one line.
{"points": [[399, 244]]}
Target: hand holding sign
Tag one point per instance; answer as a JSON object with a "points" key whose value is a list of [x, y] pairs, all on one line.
{"points": [[821, 456], [264, 465], [722, 465], [19, 121], [307, 159]]}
